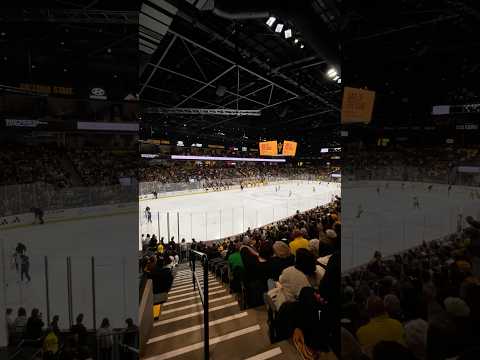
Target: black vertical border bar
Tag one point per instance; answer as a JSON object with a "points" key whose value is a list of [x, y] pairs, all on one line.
{"points": [[47, 288]]}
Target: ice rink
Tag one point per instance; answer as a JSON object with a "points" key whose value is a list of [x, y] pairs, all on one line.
{"points": [[63, 280], [214, 215], [390, 223]]}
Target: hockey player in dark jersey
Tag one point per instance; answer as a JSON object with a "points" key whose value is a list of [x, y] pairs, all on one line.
{"points": [[38, 213]]}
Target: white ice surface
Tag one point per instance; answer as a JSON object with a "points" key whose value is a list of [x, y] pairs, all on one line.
{"points": [[214, 215], [108, 239], [390, 224]]}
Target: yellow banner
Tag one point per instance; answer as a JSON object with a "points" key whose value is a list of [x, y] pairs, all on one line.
{"points": [[357, 105], [289, 148], [47, 89], [268, 148]]}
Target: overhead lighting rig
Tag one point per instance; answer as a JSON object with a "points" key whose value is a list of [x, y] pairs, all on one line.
{"points": [[198, 111]]}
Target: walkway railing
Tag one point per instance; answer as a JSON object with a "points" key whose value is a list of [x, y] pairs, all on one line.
{"points": [[203, 295]]}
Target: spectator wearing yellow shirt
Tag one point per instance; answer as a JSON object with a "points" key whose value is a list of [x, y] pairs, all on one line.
{"points": [[50, 344], [380, 327], [298, 242], [160, 248]]}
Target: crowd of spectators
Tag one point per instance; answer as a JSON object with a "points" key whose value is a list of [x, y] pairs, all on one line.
{"points": [[436, 164], [189, 171], [66, 167], [291, 265], [198, 151], [422, 304], [100, 167], [28, 164], [59, 167], [48, 341]]}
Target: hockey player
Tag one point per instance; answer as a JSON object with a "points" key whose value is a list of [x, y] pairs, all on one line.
{"points": [[359, 211], [416, 202], [430, 188], [459, 223], [38, 213]]}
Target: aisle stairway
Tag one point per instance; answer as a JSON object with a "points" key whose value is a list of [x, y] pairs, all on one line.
{"points": [[234, 334]]}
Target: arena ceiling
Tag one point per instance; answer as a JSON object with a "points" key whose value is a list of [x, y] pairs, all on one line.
{"points": [[228, 58], [71, 43], [414, 54]]}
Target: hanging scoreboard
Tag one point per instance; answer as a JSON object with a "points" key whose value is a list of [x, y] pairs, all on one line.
{"points": [[276, 148], [289, 148], [268, 148]]}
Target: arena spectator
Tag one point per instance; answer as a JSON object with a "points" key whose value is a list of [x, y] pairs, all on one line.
{"points": [[351, 349], [79, 331], [50, 345], [54, 325], [380, 327], [294, 278], [282, 259], [34, 327], [20, 322], [416, 338], [391, 350], [265, 269], [298, 242], [104, 340], [10, 321]]}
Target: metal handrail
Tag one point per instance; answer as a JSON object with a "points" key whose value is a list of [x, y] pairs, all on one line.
{"points": [[203, 296]]}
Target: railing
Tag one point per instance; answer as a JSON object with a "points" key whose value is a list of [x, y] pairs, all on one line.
{"points": [[19, 199], [146, 188], [69, 285], [203, 296], [25, 349]]}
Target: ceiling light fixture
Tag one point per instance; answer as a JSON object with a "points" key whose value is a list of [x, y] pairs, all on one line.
{"points": [[332, 73], [271, 20], [288, 33], [302, 46], [279, 28], [296, 41]]}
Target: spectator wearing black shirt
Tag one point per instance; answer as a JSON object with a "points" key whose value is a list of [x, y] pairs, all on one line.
{"points": [[130, 339], [265, 269], [34, 329], [282, 259], [54, 326], [161, 276], [80, 331]]}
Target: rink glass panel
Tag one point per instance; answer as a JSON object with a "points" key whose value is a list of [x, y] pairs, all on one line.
{"points": [[214, 215]]}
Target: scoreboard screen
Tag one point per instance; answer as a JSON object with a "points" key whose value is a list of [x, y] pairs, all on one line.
{"points": [[275, 148], [268, 148], [289, 148]]}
